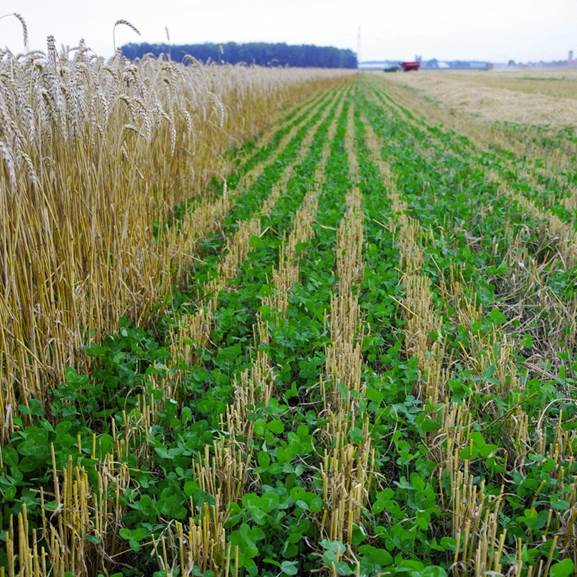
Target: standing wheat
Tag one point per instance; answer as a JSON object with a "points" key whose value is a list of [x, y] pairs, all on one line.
{"points": [[22, 22], [123, 23]]}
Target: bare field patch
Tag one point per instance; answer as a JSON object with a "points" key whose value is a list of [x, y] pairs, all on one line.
{"points": [[559, 83], [546, 98]]}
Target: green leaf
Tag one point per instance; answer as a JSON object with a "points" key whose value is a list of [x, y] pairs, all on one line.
{"points": [[259, 427], [377, 556], [343, 569], [374, 395], [263, 459], [357, 436], [497, 317], [333, 550], [562, 569], [289, 567], [190, 488], [95, 539], [433, 571], [560, 504], [171, 504], [276, 426], [134, 545]]}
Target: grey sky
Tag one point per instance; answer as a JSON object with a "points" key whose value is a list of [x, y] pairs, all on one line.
{"points": [[486, 29]]}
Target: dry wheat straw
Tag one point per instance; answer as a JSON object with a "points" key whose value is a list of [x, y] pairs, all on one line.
{"points": [[80, 196], [347, 469], [23, 24]]}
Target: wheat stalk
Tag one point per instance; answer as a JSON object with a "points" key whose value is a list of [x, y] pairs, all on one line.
{"points": [[126, 23], [20, 19]]}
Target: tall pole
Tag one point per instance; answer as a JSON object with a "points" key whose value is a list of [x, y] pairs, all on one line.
{"points": [[359, 43]]}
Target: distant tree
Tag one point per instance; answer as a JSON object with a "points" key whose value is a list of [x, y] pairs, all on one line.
{"points": [[259, 53]]}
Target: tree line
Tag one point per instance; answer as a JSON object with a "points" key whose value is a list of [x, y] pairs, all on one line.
{"points": [[257, 53]]}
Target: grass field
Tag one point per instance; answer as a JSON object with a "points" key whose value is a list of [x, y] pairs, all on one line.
{"points": [[363, 364]]}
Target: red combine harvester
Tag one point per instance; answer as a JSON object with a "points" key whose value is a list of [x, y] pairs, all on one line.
{"points": [[409, 66]]}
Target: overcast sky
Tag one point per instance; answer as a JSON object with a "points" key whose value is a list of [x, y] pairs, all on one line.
{"points": [[496, 30]]}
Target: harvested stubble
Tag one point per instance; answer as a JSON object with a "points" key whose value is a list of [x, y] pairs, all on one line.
{"points": [[483, 542], [347, 469], [563, 233], [536, 157], [527, 288], [194, 330], [95, 153], [492, 101], [208, 215], [486, 349], [223, 471], [287, 272], [78, 533], [474, 514], [390, 465], [422, 320], [343, 358]]}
